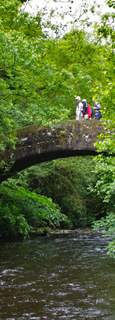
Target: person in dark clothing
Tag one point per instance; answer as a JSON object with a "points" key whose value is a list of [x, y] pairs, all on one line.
{"points": [[97, 107]]}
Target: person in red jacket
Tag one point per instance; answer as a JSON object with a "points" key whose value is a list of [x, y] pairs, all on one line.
{"points": [[89, 111]]}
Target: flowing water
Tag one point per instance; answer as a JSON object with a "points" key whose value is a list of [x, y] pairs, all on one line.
{"points": [[66, 276]]}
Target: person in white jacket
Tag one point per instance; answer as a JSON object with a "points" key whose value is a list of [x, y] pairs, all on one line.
{"points": [[79, 108]]}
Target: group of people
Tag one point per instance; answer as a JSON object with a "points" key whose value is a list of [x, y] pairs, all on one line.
{"points": [[84, 111]]}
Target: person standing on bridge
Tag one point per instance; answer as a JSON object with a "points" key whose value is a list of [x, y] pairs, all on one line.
{"points": [[97, 107], [79, 108], [87, 109]]}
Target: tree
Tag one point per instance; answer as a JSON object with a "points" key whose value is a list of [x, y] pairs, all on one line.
{"points": [[40, 76], [25, 74], [105, 167]]}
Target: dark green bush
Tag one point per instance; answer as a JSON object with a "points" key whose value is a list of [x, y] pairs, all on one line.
{"points": [[23, 211]]}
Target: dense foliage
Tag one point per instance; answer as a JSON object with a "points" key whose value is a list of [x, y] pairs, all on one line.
{"points": [[69, 183], [23, 212], [108, 225], [39, 78]]}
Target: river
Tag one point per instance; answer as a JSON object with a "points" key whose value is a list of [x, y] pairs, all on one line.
{"points": [[60, 276]]}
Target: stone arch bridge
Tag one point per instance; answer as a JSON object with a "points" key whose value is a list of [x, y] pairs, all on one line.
{"points": [[37, 144]]}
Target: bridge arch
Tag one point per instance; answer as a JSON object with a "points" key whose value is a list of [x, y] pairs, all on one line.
{"points": [[37, 144]]}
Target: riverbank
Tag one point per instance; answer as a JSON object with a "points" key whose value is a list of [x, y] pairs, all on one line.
{"points": [[52, 232]]}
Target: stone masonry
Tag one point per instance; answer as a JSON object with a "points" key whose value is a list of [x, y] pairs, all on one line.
{"points": [[37, 144]]}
